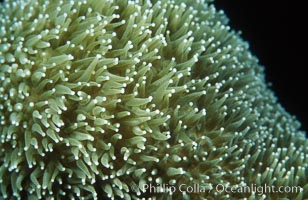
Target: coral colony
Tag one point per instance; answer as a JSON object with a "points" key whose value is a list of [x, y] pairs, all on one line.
{"points": [[101, 98]]}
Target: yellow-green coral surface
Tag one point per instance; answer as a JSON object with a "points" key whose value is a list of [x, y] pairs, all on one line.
{"points": [[100, 97]]}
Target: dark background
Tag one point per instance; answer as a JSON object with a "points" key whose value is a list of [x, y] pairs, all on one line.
{"points": [[276, 36]]}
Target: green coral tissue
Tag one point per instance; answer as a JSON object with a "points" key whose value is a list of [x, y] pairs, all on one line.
{"points": [[138, 99]]}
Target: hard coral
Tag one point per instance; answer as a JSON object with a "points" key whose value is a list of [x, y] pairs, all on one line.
{"points": [[101, 97]]}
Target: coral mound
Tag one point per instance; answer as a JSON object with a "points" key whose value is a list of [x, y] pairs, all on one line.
{"points": [[99, 98]]}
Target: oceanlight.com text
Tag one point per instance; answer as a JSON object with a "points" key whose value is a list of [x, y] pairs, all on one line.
{"points": [[218, 188]]}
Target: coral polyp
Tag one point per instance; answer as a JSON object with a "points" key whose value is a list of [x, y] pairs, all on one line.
{"points": [[99, 98]]}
